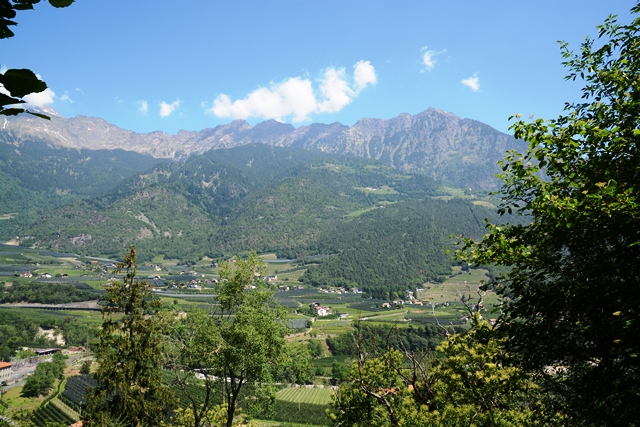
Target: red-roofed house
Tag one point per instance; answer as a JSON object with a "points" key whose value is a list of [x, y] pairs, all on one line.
{"points": [[5, 370]]}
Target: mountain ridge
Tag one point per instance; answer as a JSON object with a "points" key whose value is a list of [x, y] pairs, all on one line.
{"points": [[460, 152]]}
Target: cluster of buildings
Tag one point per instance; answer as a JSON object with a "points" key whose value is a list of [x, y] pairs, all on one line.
{"points": [[29, 275], [340, 291]]}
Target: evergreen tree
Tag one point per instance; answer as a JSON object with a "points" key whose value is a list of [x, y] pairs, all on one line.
{"points": [[130, 355]]}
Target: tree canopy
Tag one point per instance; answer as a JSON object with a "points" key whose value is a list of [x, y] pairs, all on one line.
{"points": [[469, 381], [15, 84], [571, 296], [252, 328]]}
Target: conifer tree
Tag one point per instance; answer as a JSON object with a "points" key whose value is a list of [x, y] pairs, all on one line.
{"points": [[130, 355]]}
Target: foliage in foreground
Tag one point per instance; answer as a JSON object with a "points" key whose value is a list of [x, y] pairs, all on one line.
{"points": [[571, 296], [17, 83], [467, 382]]}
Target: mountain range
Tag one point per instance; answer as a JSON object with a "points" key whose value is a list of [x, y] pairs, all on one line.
{"points": [[456, 151], [365, 203]]}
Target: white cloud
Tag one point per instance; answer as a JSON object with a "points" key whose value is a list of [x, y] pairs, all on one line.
{"points": [[40, 99], [143, 106], [65, 97], [429, 58], [364, 74], [167, 109], [336, 91], [295, 97], [291, 97], [473, 82]]}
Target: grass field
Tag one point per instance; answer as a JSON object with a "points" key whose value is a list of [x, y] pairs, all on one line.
{"points": [[315, 395], [452, 289], [14, 400], [484, 203]]}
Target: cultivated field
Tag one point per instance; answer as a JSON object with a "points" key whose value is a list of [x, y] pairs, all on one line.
{"points": [[315, 395]]}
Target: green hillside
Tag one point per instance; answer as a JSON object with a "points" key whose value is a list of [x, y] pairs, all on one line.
{"points": [[36, 178], [374, 227], [395, 248]]}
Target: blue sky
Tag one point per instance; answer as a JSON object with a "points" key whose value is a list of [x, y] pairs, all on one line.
{"points": [[158, 65]]}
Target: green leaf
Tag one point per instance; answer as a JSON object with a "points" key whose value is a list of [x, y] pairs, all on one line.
{"points": [[11, 111], [42, 116], [7, 100], [61, 3], [5, 32], [21, 82]]}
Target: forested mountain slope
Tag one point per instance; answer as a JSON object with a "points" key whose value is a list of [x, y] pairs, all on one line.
{"points": [[395, 248], [36, 177], [292, 201]]}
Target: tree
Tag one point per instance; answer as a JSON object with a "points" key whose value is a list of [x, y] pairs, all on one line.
{"points": [[215, 416], [41, 380], [15, 84], [297, 362], [130, 355], [45, 375], [85, 368], [195, 346], [467, 382], [339, 372], [252, 327], [570, 308], [59, 364], [315, 348]]}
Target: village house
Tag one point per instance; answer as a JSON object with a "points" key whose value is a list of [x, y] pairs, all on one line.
{"points": [[319, 310], [5, 370], [27, 274]]}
